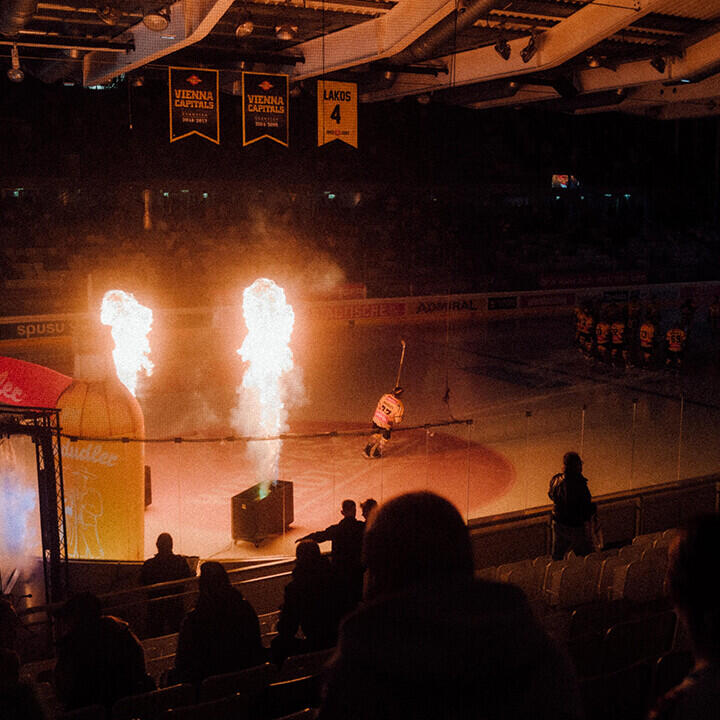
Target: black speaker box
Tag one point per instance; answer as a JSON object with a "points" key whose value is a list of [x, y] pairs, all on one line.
{"points": [[262, 510]]}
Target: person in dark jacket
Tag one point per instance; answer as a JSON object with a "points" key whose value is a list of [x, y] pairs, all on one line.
{"points": [[18, 699], [430, 641], [572, 511], [221, 634], [310, 604], [164, 612], [346, 537], [99, 659]]}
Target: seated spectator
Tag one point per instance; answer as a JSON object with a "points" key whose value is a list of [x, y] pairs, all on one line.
{"points": [[696, 596], [310, 604], [18, 700], [221, 634], [164, 613], [99, 659], [432, 642]]}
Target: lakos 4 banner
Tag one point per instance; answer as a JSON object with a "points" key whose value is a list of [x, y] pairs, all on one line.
{"points": [[194, 103], [337, 112], [265, 107]]}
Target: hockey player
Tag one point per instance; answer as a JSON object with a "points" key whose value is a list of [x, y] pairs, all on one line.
{"points": [[647, 340], [602, 338], [619, 346], [675, 339], [388, 413]]}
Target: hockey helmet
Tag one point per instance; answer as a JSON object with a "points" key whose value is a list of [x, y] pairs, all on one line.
{"points": [[397, 391]]}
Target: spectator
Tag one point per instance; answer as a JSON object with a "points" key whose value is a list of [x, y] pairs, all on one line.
{"points": [[99, 659], [696, 596], [221, 634], [572, 511], [432, 642], [10, 623], [310, 604], [18, 700], [346, 537], [367, 508], [164, 613]]}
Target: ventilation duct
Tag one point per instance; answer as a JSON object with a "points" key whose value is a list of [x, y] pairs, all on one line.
{"points": [[444, 32], [15, 15]]}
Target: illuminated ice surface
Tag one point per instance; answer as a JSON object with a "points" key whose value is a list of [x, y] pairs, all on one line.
{"points": [[530, 395]]}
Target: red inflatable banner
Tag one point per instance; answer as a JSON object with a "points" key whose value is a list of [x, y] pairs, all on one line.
{"points": [[29, 385]]}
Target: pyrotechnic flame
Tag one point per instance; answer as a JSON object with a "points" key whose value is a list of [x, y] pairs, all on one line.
{"points": [[266, 348], [130, 324]]}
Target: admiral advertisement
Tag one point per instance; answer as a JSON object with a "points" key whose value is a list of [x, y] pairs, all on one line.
{"points": [[194, 97], [265, 107]]}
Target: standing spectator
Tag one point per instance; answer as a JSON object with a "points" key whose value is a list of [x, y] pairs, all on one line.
{"points": [[346, 537], [696, 596], [572, 511], [164, 612], [99, 659], [432, 642], [367, 508], [221, 634], [310, 604]]}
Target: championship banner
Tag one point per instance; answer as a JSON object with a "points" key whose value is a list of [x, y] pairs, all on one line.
{"points": [[194, 100], [337, 112], [265, 107], [29, 385]]}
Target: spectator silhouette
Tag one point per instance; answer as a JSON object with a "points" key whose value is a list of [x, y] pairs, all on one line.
{"points": [[367, 508], [696, 596], [18, 700], [99, 659], [432, 642], [346, 537], [164, 613], [221, 634], [572, 511], [310, 604], [10, 623]]}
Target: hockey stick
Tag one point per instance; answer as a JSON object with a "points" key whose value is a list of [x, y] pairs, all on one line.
{"points": [[402, 359]]}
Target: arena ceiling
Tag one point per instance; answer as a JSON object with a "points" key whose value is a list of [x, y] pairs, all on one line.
{"points": [[659, 58]]}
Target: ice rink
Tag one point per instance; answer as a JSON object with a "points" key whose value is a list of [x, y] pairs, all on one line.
{"points": [[530, 395]]}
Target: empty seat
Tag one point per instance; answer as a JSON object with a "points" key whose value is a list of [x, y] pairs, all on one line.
{"points": [[151, 705], [635, 640], [290, 696], [646, 539], [489, 573], [573, 585], [249, 681], [639, 582], [504, 571], [633, 552], [307, 664], [234, 707], [606, 577]]}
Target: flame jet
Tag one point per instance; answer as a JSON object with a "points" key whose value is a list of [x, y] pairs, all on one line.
{"points": [[130, 323], [266, 348]]}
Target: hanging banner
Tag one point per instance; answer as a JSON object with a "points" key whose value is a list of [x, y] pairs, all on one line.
{"points": [[265, 107], [337, 112], [194, 99]]}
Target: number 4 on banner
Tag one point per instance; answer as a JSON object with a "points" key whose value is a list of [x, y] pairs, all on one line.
{"points": [[337, 112]]}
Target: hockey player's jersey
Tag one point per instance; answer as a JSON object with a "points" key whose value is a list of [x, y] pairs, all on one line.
{"points": [[675, 338], [647, 335], [602, 332], [389, 411], [617, 331]]}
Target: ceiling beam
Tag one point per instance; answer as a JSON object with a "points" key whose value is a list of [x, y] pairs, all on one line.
{"points": [[190, 21]]}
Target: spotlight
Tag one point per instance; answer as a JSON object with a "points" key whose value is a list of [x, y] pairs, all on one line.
{"points": [[529, 50], [593, 61], [15, 73], [285, 31], [659, 64], [109, 15], [157, 20], [502, 48], [245, 25]]}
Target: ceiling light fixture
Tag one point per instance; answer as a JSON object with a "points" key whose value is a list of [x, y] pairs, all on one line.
{"points": [[245, 25], [285, 31], [530, 49], [108, 14], [659, 64], [157, 20], [593, 61], [15, 73], [502, 48]]}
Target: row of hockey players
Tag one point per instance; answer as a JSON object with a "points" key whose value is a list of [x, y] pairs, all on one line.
{"points": [[630, 334]]}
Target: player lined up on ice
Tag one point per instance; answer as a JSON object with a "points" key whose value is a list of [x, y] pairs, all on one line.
{"points": [[388, 413]]}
